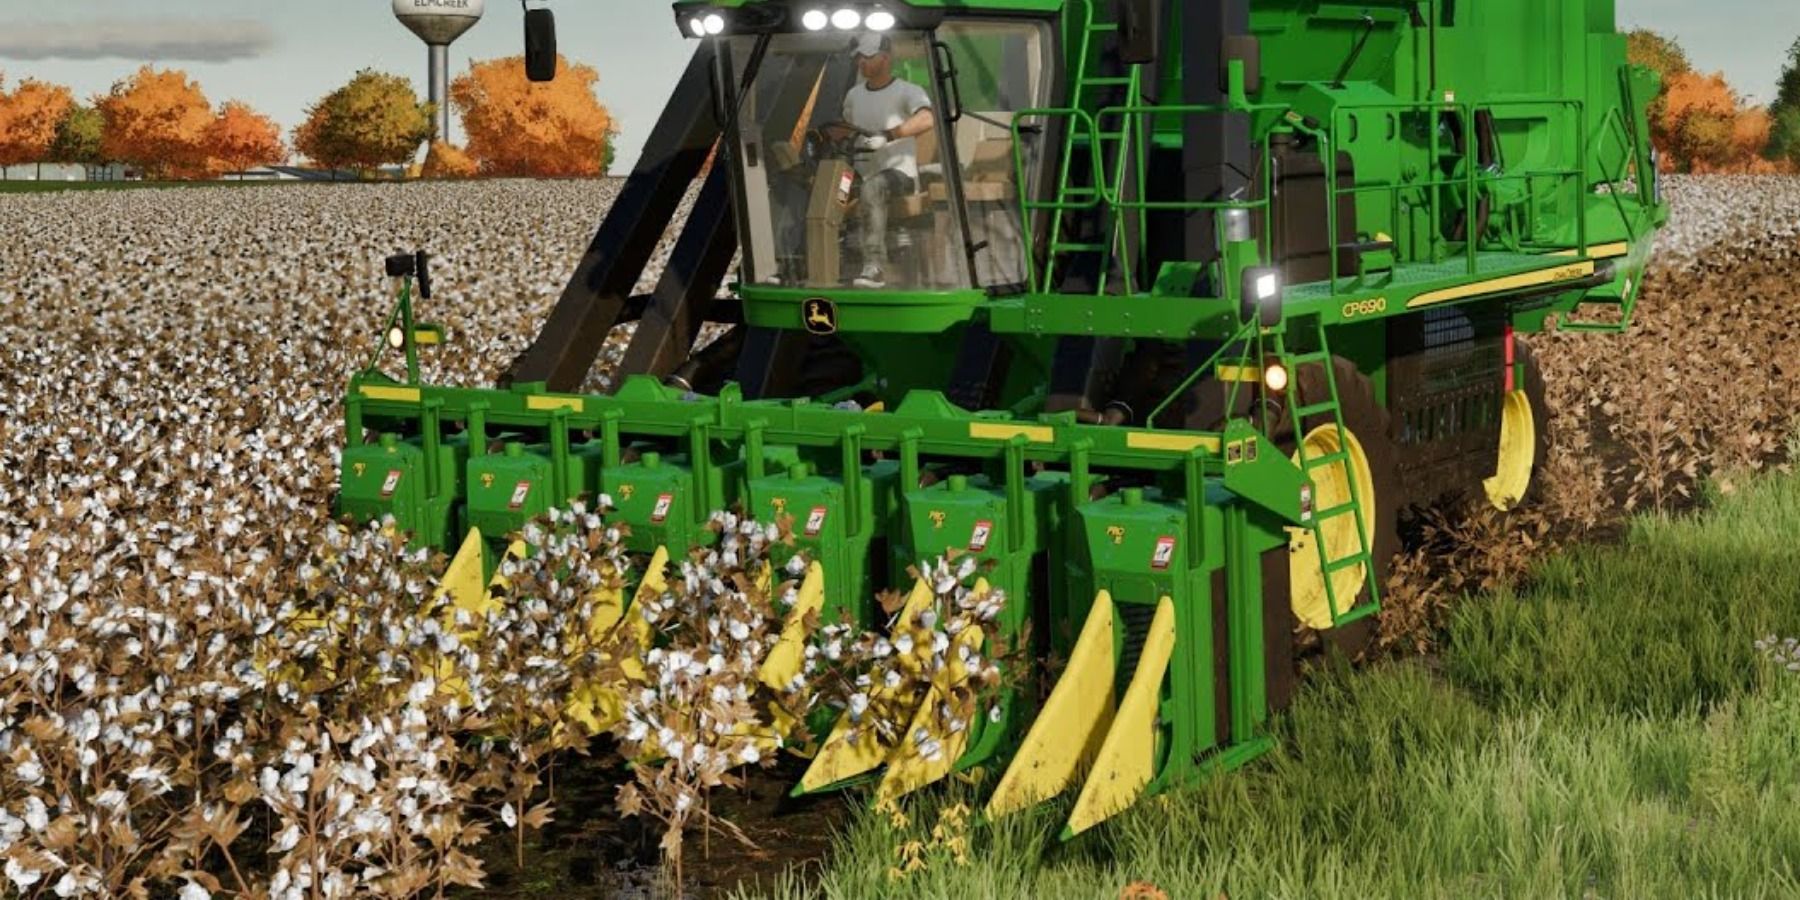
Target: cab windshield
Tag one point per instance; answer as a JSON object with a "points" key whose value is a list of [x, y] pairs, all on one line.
{"points": [[864, 166]]}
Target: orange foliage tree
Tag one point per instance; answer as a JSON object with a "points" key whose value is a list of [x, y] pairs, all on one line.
{"points": [[448, 161], [1697, 123], [519, 128], [241, 138], [158, 121], [1703, 127], [29, 116]]}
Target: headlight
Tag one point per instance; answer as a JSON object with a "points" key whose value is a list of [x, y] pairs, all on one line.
{"points": [[846, 19], [697, 27], [1275, 377], [714, 23], [1261, 296], [815, 20], [880, 20], [396, 337]]}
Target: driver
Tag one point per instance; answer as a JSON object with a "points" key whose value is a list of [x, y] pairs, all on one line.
{"points": [[889, 114]]}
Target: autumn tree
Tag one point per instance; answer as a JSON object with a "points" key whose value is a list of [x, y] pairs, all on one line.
{"points": [[1784, 137], [446, 160], [240, 138], [78, 138], [158, 121], [376, 119], [1703, 127], [517, 127], [29, 115]]}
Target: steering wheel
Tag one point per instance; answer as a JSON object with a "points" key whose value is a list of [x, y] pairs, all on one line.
{"points": [[821, 146]]}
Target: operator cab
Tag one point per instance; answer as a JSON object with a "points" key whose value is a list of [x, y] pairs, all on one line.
{"points": [[884, 160]]}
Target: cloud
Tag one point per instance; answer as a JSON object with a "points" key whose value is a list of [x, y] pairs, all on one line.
{"points": [[138, 40]]}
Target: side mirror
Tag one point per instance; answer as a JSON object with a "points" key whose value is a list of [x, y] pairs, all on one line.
{"points": [[540, 45], [1140, 31]]}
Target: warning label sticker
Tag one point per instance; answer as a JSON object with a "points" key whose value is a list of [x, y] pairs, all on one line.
{"points": [[815, 521], [660, 511], [1165, 553], [391, 483], [521, 491], [978, 539]]}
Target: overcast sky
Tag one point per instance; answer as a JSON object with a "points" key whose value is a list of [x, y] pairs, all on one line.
{"points": [[281, 55]]}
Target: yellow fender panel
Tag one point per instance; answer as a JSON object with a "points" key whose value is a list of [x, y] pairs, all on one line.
{"points": [[1127, 760], [840, 758], [908, 768], [1069, 729], [1518, 452], [784, 661]]}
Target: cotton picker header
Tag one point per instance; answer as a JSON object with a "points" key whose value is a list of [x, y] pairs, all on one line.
{"points": [[1162, 309]]}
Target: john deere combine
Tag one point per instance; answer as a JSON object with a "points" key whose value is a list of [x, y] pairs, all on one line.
{"points": [[1162, 309]]}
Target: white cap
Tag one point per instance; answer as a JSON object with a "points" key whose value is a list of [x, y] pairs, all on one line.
{"points": [[873, 45]]}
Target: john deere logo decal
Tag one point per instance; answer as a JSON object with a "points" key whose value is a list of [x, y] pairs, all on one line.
{"points": [[820, 315]]}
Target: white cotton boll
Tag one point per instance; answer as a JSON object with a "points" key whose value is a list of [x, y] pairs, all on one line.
{"points": [[287, 840], [192, 891], [509, 816], [739, 631], [37, 816], [859, 704], [903, 644], [21, 876], [749, 755], [939, 642], [891, 679], [29, 772]]}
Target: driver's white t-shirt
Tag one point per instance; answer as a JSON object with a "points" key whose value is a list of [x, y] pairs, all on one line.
{"points": [[876, 112]]}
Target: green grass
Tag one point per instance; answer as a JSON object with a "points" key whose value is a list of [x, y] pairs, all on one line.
{"points": [[1611, 733]]}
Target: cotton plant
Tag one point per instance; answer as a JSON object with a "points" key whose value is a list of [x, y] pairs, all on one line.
{"points": [[946, 656], [699, 713], [541, 643]]}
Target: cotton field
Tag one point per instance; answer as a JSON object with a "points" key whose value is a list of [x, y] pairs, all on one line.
{"points": [[209, 689]]}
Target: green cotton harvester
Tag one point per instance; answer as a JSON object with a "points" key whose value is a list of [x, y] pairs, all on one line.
{"points": [[1162, 309]]}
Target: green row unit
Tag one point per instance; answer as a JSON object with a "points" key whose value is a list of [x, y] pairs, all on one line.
{"points": [[1054, 514]]}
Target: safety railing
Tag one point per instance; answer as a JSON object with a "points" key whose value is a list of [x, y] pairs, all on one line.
{"points": [[1471, 183]]}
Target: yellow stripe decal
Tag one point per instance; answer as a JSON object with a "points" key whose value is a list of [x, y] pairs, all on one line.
{"points": [[425, 338], [542, 403], [1037, 434], [397, 394], [1512, 282], [1180, 443], [1603, 251], [1239, 373]]}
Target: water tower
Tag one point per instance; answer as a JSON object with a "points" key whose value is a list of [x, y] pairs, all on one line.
{"points": [[439, 23]]}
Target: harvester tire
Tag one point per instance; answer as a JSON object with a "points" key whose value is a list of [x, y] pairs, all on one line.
{"points": [[1368, 423], [1526, 406]]}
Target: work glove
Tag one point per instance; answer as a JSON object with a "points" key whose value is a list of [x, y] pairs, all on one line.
{"points": [[871, 142]]}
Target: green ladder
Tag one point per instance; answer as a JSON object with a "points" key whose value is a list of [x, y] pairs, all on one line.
{"points": [[1118, 145], [1298, 414]]}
